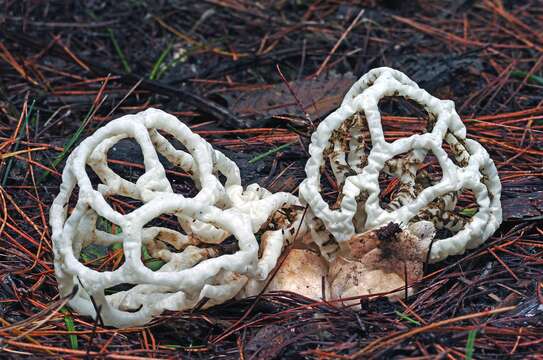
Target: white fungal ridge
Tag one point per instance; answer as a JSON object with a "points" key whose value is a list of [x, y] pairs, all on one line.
{"points": [[198, 270], [479, 175]]}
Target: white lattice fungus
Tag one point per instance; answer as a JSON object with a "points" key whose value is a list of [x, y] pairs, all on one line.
{"points": [[342, 139], [195, 269], [214, 255]]}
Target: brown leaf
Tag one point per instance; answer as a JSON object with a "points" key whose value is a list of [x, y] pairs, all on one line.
{"points": [[318, 97]]}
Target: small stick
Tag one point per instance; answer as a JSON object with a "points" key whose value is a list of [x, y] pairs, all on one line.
{"points": [[340, 40]]}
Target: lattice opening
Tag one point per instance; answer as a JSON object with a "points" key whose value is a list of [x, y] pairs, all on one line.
{"points": [[180, 177], [400, 182], [126, 160], [346, 155], [105, 255], [401, 117]]}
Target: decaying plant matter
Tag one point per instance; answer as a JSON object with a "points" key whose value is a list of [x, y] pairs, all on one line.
{"points": [[369, 249], [382, 260]]}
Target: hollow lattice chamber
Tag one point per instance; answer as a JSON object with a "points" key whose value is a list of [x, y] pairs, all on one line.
{"points": [[203, 248], [419, 196]]}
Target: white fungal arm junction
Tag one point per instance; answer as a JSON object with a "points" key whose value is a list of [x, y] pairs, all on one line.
{"points": [[212, 254]]}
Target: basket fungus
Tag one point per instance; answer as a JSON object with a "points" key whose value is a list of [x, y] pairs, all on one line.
{"points": [[229, 238], [192, 270]]}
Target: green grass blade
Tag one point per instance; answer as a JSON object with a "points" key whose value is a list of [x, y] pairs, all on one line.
{"points": [[407, 318], [468, 212], [154, 264], [70, 326], [272, 151], [470, 344], [119, 51], [156, 66], [519, 74], [149, 261], [69, 144]]}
